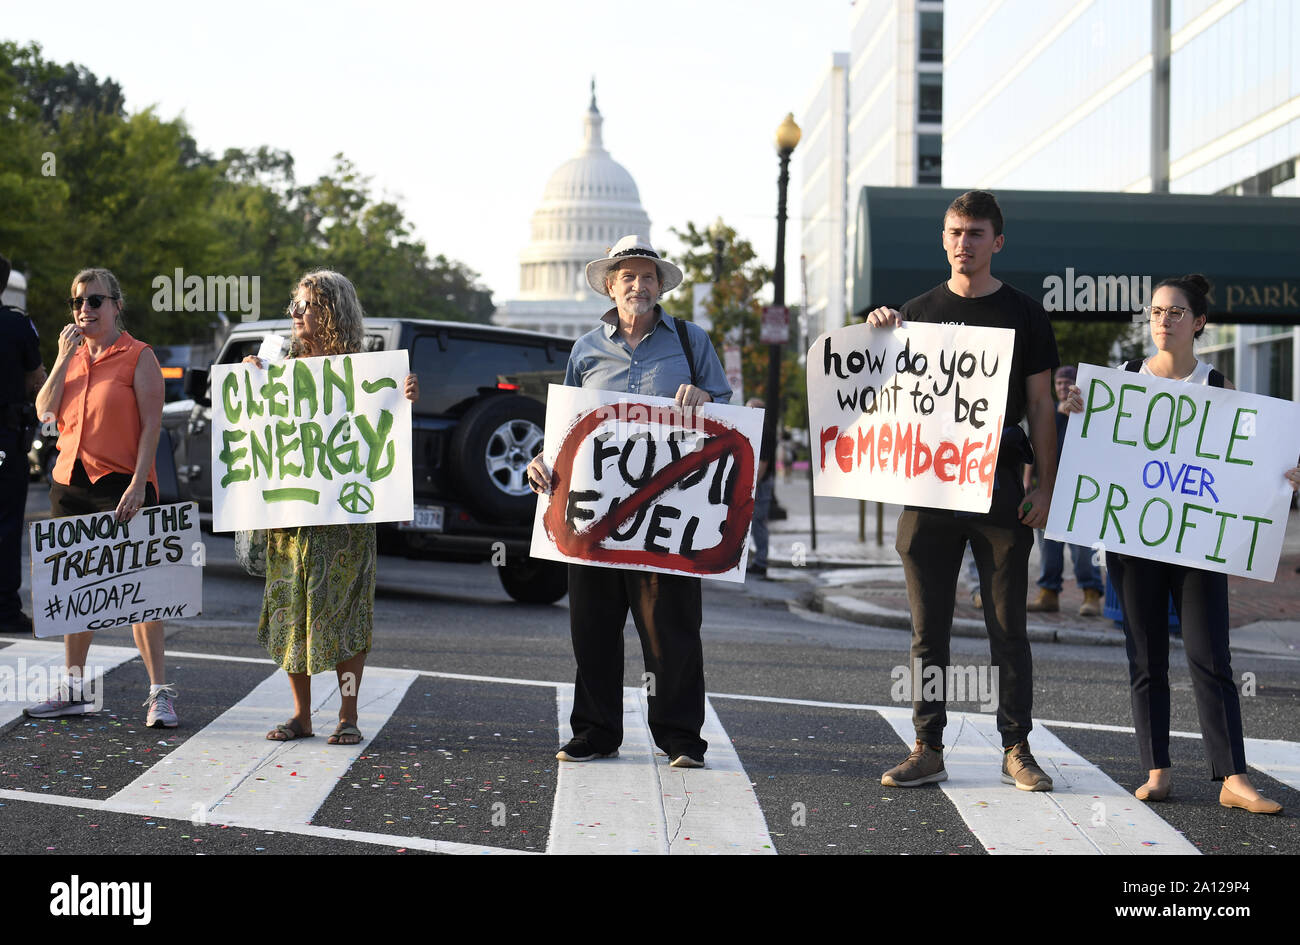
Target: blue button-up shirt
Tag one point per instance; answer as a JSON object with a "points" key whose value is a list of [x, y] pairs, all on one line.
{"points": [[602, 360]]}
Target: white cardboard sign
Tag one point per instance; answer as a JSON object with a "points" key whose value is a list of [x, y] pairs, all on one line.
{"points": [[909, 415], [642, 484], [1177, 472], [311, 441], [91, 572]]}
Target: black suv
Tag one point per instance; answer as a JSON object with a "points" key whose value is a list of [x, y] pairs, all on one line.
{"points": [[478, 423]]}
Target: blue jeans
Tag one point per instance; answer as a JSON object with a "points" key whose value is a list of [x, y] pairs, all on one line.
{"points": [[1053, 554], [762, 505]]}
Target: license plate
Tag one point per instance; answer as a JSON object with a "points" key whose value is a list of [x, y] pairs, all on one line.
{"points": [[426, 520]]}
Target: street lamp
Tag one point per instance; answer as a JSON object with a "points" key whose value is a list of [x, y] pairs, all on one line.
{"points": [[787, 137]]}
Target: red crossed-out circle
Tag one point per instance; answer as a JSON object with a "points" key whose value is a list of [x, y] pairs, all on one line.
{"points": [[723, 440]]}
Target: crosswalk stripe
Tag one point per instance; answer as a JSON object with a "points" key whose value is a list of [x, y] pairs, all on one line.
{"points": [[1277, 759], [1064, 820], [611, 805], [638, 803], [230, 773], [19, 659], [714, 809], [306, 830]]}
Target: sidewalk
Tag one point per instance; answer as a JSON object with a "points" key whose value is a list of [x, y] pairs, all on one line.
{"points": [[863, 581]]}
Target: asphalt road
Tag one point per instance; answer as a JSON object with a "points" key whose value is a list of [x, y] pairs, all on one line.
{"points": [[454, 747]]}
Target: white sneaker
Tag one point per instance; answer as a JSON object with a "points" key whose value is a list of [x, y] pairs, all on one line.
{"points": [[67, 701], [162, 708]]}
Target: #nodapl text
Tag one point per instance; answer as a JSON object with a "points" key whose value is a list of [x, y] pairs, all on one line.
{"points": [[902, 449]]}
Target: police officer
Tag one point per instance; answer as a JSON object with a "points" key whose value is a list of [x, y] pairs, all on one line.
{"points": [[21, 374]]}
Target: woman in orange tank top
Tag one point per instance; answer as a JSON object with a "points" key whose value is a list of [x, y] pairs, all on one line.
{"points": [[106, 393]]}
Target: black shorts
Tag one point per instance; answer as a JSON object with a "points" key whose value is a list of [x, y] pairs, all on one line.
{"points": [[82, 497]]}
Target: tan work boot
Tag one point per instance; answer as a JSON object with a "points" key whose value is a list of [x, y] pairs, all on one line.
{"points": [[1048, 602], [923, 766], [1020, 768], [1091, 606]]}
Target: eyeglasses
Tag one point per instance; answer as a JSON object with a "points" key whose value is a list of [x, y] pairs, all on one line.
{"points": [[300, 307], [1171, 315], [92, 302]]}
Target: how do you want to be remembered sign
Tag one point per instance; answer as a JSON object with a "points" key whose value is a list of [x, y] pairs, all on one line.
{"points": [[910, 415], [1177, 472], [311, 441], [641, 483], [91, 572]]}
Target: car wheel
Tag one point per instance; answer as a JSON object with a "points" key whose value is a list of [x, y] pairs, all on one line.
{"points": [[534, 580], [491, 450]]}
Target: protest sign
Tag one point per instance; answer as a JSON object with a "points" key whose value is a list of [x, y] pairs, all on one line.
{"points": [[311, 441], [909, 415], [1176, 472], [91, 572], [640, 483]]}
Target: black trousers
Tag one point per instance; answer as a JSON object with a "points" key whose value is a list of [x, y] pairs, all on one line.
{"points": [[13, 502], [931, 544], [666, 609], [1201, 601]]}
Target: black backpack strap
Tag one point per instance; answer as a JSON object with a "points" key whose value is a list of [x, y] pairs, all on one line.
{"points": [[686, 350], [1216, 379], [1134, 366]]}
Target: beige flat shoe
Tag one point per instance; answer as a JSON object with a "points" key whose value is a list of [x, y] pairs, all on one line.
{"points": [[1262, 806], [1149, 794]]}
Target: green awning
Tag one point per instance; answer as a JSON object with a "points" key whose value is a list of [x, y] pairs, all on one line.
{"points": [[1094, 251]]}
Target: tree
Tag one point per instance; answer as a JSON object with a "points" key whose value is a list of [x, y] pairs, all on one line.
{"points": [[1080, 342], [85, 183], [737, 312]]}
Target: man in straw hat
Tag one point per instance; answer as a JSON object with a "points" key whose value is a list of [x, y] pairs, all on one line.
{"points": [[638, 350]]}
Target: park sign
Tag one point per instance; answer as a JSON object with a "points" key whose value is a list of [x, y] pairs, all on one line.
{"points": [[641, 483], [91, 572], [909, 415], [311, 441], [1177, 472]]}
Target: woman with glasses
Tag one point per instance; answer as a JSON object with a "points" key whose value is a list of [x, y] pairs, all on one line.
{"points": [[1178, 312], [318, 607], [105, 392]]}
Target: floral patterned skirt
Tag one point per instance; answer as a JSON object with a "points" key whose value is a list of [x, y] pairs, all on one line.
{"points": [[319, 605]]}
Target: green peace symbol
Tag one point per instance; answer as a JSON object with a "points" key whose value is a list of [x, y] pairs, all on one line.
{"points": [[356, 497]]}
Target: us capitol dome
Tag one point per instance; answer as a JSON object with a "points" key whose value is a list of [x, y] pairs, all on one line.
{"points": [[589, 203]]}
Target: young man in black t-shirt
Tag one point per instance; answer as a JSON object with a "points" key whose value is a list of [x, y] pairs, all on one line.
{"points": [[931, 541]]}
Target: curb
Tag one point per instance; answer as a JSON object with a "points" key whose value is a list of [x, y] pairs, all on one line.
{"points": [[865, 612]]}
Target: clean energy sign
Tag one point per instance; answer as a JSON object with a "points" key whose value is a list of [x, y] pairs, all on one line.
{"points": [[311, 441]]}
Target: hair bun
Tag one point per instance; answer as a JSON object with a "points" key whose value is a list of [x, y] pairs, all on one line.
{"points": [[1198, 282]]}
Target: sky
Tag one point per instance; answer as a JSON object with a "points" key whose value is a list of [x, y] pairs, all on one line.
{"points": [[461, 109]]}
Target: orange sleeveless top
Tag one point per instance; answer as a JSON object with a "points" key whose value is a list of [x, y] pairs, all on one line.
{"points": [[98, 417]]}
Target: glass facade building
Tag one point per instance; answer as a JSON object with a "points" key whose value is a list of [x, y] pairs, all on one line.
{"points": [[875, 117], [1058, 95], [823, 156]]}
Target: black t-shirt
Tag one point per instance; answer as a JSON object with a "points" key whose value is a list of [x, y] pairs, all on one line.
{"points": [[1008, 307], [19, 354]]}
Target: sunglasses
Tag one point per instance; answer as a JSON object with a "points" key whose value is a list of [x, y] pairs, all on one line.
{"points": [[92, 302], [300, 307]]}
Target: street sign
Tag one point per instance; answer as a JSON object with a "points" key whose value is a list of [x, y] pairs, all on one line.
{"points": [[776, 325]]}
